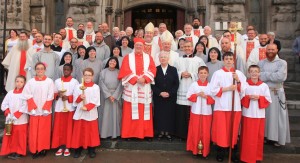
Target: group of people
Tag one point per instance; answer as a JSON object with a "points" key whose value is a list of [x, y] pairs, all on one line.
{"points": [[96, 85]]}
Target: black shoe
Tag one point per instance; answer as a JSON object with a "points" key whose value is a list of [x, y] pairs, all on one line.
{"points": [[169, 137], [77, 153], [234, 157], [91, 152], [220, 154], [160, 136], [43, 153], [149, 139], [36, 155], [12, 156]]}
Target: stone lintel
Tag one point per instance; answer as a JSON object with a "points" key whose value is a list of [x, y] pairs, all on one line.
{"points": [[84, 3], [228, 1], [278, 2]]}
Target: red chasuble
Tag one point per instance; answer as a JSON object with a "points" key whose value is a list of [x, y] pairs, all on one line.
{"points": [[197, 32], [262, 53], [188, 38], [89, 38], [147, 49], [70, 32]]}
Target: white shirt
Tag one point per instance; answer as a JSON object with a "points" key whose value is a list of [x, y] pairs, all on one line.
{"points": [[221, 79], [92, 95], [254, 111], [200, 106], [15, 102], [69, 86]]}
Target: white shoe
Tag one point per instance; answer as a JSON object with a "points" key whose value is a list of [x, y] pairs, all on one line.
{"points": [[59, 152], [67, 152]]}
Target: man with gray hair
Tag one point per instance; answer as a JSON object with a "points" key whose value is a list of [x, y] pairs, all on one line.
{"points": [[272, 40], [156, 39], [15, 61], [129, 32], [212, 41], [178, 34]]}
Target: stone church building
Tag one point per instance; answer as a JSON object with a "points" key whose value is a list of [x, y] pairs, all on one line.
{"points": [[279, 16]]}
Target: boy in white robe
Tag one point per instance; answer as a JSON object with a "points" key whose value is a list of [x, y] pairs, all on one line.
{"points": [[85, 132], [256, 99], [201, 114], [222, 87], [64, 111]]}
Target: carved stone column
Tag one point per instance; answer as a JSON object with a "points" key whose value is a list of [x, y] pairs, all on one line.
{"points": [[108, 12], [118, 14], [191, 14], [202, 10]]}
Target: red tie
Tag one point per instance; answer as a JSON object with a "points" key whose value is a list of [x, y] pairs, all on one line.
{"points": [[22, 62], [70, 34]]}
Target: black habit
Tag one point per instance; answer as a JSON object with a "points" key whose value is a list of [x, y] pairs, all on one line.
{"points": [[164, 108]]}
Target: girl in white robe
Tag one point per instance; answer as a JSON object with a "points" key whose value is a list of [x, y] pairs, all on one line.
{"points": [[15, 144]]}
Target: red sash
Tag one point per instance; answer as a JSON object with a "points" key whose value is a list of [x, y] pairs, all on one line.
{"points": [[22, 63], [33, 41], [70, 32], [79, 43], [159, 43], [89, 38], [38, 49], [232, 37], [249, 47], [262, 53], [197, 32]]}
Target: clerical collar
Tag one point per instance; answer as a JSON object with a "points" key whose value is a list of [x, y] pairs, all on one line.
{"points": [[226, 70], [90, 84], [200, 83], [250, 82], [188, 56], [56, 48], [18, 91], [40, 79], [66, 79]]}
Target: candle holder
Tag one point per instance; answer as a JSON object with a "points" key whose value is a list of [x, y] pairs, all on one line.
{"points": [[84, 100], [65, 109]]}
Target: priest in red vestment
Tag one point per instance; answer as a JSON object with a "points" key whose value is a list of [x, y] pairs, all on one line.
{"points": [[15, 61], [137, 73]]}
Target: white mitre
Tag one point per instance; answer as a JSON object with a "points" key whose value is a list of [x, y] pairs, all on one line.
{"points": [[149, 27], [166, 36]]}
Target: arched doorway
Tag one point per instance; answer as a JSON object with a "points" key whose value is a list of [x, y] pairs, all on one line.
{"points": [[138, 17]]}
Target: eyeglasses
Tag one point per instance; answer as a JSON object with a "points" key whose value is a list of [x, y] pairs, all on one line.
{"points": [[87, 75]]}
